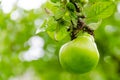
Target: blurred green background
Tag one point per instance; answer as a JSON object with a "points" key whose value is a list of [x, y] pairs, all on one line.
{"points": [[28, 53]]}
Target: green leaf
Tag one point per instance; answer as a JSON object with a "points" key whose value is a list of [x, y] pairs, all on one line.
{"points": [[54, 1], [51, 24], [44, 24], [94, 26], [70, 6], [57, 30], [42, 28], [57, 10], [99, 10], [67, 16], [51, 27], [93, 1], [61, 33]]}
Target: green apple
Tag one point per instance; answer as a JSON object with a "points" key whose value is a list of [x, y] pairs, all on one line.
{"points": [[79, 55]]}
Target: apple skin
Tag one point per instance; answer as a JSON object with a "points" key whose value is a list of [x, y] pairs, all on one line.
{"points": [[79, 55]]}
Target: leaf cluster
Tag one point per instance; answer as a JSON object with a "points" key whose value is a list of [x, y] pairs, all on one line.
{"points": [[63, 15]]}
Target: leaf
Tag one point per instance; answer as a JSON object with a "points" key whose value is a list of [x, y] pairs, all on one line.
{"points": [[42, 27], [94, 26], [61, 33], [56, 30], [57, 10], [93, 1], [54, 1], [99, 10], [70, 6]]}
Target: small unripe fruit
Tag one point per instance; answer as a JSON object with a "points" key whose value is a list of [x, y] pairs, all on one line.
{"points": [[79, 55]]}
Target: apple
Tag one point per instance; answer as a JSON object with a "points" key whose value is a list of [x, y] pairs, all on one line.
{"points": [[79, 55]]}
